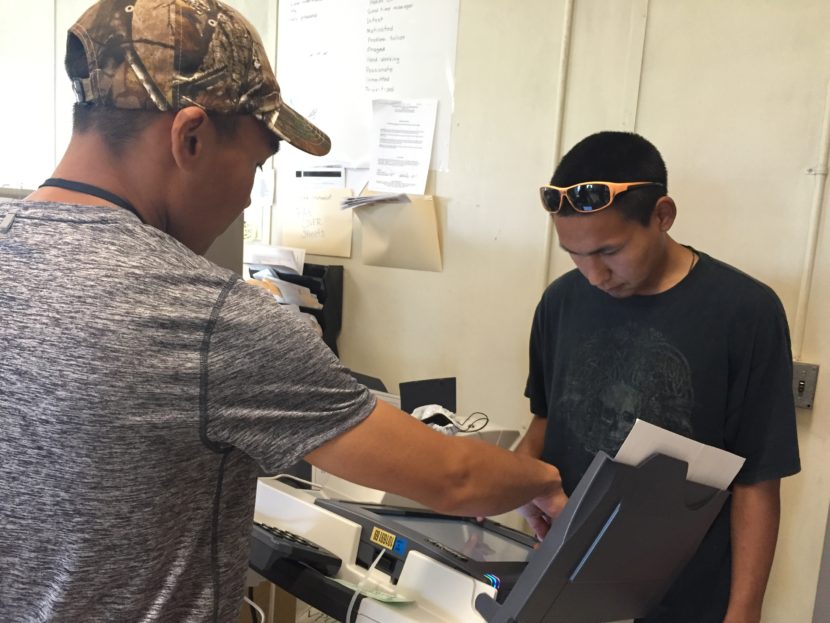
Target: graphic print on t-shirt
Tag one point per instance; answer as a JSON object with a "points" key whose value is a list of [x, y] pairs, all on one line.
{"points": [[621, 374]]}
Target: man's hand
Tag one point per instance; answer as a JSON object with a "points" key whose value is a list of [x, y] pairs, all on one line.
{"points": [[540, 512]]}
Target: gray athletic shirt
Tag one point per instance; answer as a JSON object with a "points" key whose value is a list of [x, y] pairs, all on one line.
{"points": [[142, 391]]}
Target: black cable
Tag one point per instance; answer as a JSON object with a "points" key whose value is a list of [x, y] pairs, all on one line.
{"points": [[93, 191], [473, 427]]}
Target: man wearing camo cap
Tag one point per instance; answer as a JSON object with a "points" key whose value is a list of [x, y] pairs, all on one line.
{"points": [[142, 388]]}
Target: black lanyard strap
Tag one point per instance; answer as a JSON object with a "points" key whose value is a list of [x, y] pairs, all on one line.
{"points": [[94, 191]]}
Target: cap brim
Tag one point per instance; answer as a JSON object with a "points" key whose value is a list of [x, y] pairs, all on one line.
{"points": [[291, 126]]}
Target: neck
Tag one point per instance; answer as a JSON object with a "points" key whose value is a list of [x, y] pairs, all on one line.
{"points": [[88, 161], [677, 264]]}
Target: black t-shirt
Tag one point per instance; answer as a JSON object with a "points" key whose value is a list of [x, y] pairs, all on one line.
{"points": [[709, 359]]}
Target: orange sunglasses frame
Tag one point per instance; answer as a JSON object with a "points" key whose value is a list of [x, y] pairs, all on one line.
{"points": [[616, 188]]}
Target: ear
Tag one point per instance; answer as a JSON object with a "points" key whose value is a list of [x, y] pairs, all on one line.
{"points": [[664, 213], [189, 134]]}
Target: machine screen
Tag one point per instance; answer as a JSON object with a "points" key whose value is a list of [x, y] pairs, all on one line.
{"points": [[468, 538]]}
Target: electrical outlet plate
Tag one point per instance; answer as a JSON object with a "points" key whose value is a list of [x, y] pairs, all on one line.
{"points": [[805, 377]]}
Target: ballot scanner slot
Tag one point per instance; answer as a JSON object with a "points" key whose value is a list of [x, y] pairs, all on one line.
{"points": [[367, 555], [487, 551]]}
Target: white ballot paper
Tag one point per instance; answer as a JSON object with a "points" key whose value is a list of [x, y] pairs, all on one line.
{"points": [[707, 465], [402, 135], [350, 203], [285, 258]]}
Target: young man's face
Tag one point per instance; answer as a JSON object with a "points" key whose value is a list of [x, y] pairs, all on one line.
{"points": [[620, 257], [228, 177]]}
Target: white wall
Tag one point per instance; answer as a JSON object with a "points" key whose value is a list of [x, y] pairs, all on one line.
{"points": [[471, 320], [733, 94], [27, 106]]}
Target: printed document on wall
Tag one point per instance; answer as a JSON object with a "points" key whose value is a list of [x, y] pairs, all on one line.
{"points": [[402, 133]]}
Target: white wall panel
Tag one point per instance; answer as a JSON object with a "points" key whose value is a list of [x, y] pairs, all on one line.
{"points": [[733, 94], [472, 320], [27, 107]]}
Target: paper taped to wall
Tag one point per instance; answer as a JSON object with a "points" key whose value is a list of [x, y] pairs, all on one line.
{"points": [[314, 221], [401, 235]]}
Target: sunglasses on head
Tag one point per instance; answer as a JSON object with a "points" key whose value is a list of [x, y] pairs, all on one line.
{"points": [[586, 197]]}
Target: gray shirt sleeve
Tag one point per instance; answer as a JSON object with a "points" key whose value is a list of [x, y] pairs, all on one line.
{"points": [[273, 388]]}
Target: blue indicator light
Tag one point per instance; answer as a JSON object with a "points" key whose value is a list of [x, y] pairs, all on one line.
{"points": [[400, 546], [495, 582]]}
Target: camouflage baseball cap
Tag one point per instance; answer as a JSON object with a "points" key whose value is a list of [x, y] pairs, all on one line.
{"points": [[170, 54]]}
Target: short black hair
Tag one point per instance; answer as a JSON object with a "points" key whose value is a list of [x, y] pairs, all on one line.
{"points": [[118, 127], [616, 157]]}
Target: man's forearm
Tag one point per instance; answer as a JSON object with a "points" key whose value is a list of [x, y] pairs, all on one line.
{"points": [[755, 516], [392, 451], [534, 439]]}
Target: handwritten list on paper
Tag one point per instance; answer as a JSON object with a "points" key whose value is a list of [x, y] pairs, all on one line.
{"points": [[336, 56], [387, 36], [305, 9]]}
